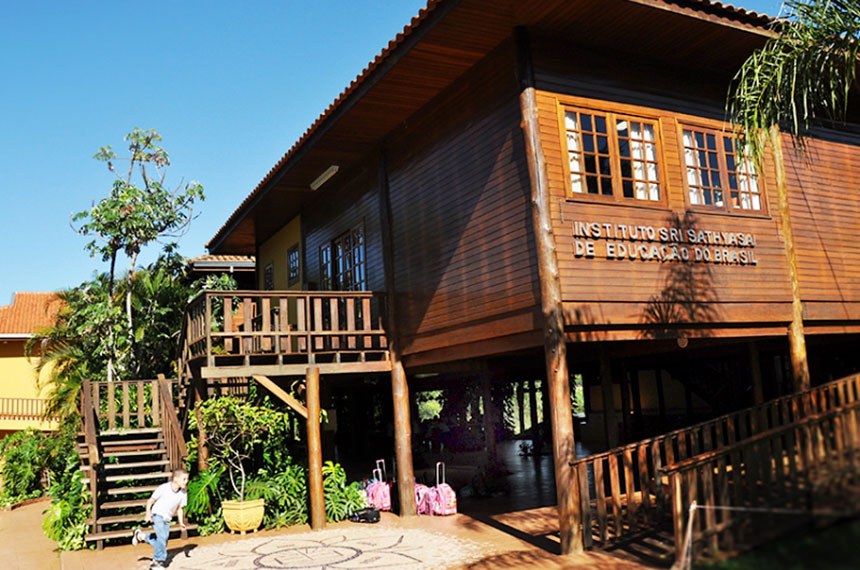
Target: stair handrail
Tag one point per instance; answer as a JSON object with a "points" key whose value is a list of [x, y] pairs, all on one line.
{"points": [[643, 461], [174, 442], [89, 418], [90, 421]]}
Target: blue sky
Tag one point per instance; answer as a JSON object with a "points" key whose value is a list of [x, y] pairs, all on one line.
{"points": [[230, 86]]}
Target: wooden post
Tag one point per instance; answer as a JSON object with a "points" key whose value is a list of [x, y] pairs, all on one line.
{"points": [[521, 402], [755, 369], [315, 481], [531, 387], [399, 385], [610, 425], [564, 450], [489, 416], [796, 338], [200, 394]]}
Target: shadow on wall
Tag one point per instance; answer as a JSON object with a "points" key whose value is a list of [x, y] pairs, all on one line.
{"points": [[688, 297], [581, 324]]}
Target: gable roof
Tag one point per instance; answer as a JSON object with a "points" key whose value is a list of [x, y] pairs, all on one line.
{"points": [[444, 40], [28, 313]]}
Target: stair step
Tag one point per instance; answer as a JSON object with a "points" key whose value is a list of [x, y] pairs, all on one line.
{"points": [[125, 442], [115, 466], [115, 519], [130, 490], [123, 504], [136, 477], [126, 533], [133, 453], [128, 432]]}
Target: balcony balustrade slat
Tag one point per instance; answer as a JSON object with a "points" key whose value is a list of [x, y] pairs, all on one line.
{"points": [[288, 328]]}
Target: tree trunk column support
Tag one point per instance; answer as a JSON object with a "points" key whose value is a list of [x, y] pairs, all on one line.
{"points": [[564, 450], [399, 385], [315, 480], [200, 395], [796, 338]]}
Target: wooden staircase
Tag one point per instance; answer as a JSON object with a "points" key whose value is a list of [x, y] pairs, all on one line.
{"points": [[130, 444]]}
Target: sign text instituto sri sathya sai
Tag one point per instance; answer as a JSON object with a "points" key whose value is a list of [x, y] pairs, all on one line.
{"points": [[662, 244]]}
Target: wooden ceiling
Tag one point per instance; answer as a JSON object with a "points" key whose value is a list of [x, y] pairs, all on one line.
{"points": [[441, 44]]}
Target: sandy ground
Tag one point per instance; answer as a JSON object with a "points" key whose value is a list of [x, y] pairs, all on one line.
{"points": [[23, 545]]}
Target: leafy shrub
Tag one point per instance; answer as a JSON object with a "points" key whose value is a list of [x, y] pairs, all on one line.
{"points": [[285, 493], [204, 494], [65, 520], [30, 456], [341, 499]]}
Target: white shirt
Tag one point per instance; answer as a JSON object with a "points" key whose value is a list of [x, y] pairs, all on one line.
{"points": [[168, 501]]}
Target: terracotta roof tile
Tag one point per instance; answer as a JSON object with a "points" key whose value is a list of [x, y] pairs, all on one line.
{"points": [[224, 258], [28, 313]]}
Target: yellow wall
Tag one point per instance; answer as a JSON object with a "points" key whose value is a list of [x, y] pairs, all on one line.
{"points": [[274, 251], [18, 380]]}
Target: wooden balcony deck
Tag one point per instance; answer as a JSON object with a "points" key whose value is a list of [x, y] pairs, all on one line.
{"points": [[281, 333]]}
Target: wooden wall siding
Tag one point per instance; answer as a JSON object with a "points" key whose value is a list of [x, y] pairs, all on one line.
{"points": [[601, 292], [825, 206], [464, 254], [756, 300], [355, 201]]}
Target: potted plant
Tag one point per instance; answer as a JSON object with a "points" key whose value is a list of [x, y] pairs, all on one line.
{"points": [[234, 427]]}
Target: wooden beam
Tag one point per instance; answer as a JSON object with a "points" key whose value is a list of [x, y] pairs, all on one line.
{"points": [[755, 370], [564, 449], [315, 481], [399, 385], [282, 395], [294, 369], [610, 425]]}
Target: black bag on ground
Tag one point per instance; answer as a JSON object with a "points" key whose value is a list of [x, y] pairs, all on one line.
{"points": [[368, 515]]}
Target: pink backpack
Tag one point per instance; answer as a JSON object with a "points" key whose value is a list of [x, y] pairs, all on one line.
{"points": [[422, 498], [379, 492], [442, 498]]}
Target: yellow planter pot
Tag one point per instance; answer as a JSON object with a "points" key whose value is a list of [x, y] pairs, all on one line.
{"points": [[242, 516]]}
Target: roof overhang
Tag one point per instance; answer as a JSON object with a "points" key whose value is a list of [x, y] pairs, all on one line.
{"points": [[446, 39]]}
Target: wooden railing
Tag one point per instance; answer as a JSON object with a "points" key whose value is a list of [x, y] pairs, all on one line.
{"points": [[300, 327], [22, 409], [174, 442], [624, 489], [90, 425], [774, 480], [129, 404]]}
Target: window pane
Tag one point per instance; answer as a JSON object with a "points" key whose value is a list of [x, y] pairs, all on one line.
{"points": [[639, 164], [742, 178], [588, 152]]}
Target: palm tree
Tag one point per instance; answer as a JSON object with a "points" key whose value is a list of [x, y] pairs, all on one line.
{"points": [[803, 74]]}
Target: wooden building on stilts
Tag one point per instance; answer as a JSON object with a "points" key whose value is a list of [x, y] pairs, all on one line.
{"points": [[541, 203]]}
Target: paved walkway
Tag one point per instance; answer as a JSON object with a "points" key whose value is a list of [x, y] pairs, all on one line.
{"points": [[457, 542], [23, 545]]}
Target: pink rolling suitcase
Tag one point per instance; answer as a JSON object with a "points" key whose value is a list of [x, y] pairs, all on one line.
{"points": [[442, 498], [379, 490]]}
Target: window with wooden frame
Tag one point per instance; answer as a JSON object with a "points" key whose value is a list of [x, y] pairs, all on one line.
{"points": [[611, 155], [343, 262], [716, 176], [326, 275], [293, 265]]}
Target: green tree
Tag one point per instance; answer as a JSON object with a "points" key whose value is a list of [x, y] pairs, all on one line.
{"points": [[76, 347], [803, 74], [139, 210]]}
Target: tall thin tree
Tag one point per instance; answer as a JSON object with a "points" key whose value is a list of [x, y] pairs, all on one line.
{"points": [[805, 73]]}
